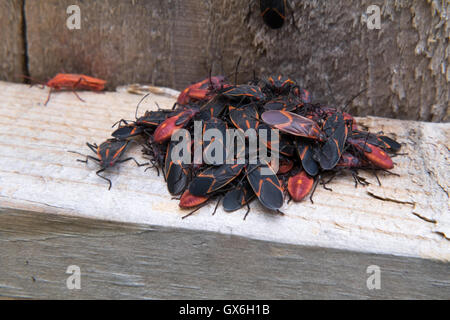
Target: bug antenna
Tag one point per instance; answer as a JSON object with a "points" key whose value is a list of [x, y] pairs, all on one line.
{"points": [[137, 107], [236, 71], [353, 98], [210, 76], [32, 79]]}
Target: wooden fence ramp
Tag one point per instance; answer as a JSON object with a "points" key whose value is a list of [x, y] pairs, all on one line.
{"points": [[130, 242]]}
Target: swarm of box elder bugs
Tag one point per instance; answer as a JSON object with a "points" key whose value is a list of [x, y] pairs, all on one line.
{"points": [[311, 141]]}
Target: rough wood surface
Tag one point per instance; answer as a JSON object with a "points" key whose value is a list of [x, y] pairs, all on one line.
{"points": [[12, 51], [406, 216], [121, 41], [404, 65], [133, 261]]}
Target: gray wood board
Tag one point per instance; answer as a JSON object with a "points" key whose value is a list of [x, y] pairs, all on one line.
{"points": [[135, 261]]}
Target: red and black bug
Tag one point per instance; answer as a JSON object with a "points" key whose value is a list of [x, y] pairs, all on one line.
{"points": [[201, 90], [108, 155], [238, 197], [128, 131], [214, 145], [300, 185], [266, 185], [279, 85], [284, 103], [306, 152], [381, 141], [150, 120], [294, 124], [165, 130], [285, 165], [214, 108], [213, 178], [176, 172], [242, 92], [373, 154], [273, 12], [72, 82], [336, 131], [188, 200], [349, 161], [245, 117]]}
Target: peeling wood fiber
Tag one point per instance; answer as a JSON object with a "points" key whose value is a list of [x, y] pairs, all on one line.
{"points": [[404, 65]]}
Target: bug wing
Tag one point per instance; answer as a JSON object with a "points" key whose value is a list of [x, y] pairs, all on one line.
{"points": [[213, 178], [267, 188]]}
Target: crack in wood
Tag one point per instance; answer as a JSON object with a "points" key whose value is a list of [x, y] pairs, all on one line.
{"points": [[372, 194]]}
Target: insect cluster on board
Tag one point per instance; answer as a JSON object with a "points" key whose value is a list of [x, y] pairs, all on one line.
{"points": [[314, 141]]}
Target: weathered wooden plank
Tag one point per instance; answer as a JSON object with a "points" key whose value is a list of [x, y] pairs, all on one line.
{"points": [[404, 65], [12, 50], [406, 216], [133, 261], [121, 41]]}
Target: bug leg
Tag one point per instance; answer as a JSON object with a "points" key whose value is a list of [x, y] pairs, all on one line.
{"points": [[316, 182], [358, 179], [120, 122], [248, 211], [137, 163], [76, 94], [152, 166], [391, 173], [195, 210], [376, 176], [398, 154], [217, 205], [48, 97], [109, 181], [87, 157], [324, 183], [93, 147]]}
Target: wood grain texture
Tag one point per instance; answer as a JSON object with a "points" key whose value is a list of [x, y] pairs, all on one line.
{"points": [[12, 51], [404, 65], [120, 41], [133, 261], [406, 216]]}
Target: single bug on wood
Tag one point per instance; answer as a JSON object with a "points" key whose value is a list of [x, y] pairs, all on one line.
{"points": [[109, 154], [70, 81]]}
